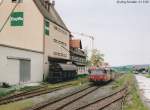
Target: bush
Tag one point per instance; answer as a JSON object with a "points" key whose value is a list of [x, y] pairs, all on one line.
{"points": [[5, 85], [82, 75]]}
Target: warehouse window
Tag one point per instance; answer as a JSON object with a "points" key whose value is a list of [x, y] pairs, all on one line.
{"points": [[17, 19], [15, 1], [46, 27]]}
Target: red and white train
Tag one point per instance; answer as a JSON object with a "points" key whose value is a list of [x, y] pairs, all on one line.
{"points": [[101, 75]]}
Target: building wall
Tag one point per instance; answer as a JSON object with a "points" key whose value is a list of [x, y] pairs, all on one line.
{"points": [[31, 36], [82, 70], [9, 65], [52, 45], [28, 36]]}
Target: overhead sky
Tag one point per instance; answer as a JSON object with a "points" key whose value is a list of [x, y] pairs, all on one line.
{"points": [[121, 31]]}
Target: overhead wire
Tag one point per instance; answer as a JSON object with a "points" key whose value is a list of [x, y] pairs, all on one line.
{"points": [[1, 2], [9, 16]]}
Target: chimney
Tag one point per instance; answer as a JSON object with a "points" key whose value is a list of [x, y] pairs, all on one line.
{"points": [[53, 3], [47, 4]]}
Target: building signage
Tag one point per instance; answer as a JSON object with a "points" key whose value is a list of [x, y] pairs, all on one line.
{"points": [[60, 30], [60, 42], [17, 19], [60, 54], [46, 27]]}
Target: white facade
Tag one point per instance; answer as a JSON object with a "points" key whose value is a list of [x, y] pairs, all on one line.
{"points": [[19, 43], [10, 67], [28, 42], [30, 35], [53, 45]]}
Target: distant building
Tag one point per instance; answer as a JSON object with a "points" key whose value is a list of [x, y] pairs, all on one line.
{"points": [[78, 56], [31, 39], [141, 68]]}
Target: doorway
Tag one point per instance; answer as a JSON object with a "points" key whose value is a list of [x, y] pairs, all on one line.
{"points": [[25, 71]]}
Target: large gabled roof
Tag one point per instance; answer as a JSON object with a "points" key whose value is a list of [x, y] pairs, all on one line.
{"points": [[51, 15]]}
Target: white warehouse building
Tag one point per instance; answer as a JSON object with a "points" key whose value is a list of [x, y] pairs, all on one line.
{"points": [[29, 30]]}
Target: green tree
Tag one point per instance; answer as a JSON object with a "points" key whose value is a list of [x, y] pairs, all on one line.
{"points": [[97, 58]]}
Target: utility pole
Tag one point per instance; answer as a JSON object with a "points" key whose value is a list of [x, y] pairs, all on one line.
{"points": [[87, 36]]}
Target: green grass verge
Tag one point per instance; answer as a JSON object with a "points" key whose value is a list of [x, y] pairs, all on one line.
{"points": [[120, 82], [147, 75], [14, 89], [76, 82], [17, 106], [82, 75], [7, 91], [133, 101]]}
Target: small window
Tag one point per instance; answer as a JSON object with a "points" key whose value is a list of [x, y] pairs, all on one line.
{"points": [[46, 27], [15, 1]]}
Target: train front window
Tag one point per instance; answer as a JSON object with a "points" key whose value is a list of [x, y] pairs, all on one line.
{"points": [[97, 72]]}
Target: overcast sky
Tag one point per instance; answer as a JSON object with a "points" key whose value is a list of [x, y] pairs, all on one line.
{"points": [[121, 31]]}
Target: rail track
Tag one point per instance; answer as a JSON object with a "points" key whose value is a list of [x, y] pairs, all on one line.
{"points": [[105, 102], [100, 104], [29, 94], [64, 101]]}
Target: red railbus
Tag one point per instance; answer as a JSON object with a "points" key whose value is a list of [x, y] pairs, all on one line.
{"points": [[98, 75]]}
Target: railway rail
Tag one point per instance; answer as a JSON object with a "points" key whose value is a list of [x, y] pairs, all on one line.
{"points": [[100, 104], [105, 102], [64, 101], [29, 94]]}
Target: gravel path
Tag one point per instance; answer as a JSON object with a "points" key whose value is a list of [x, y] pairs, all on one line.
{"points": [[144, 87]]}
